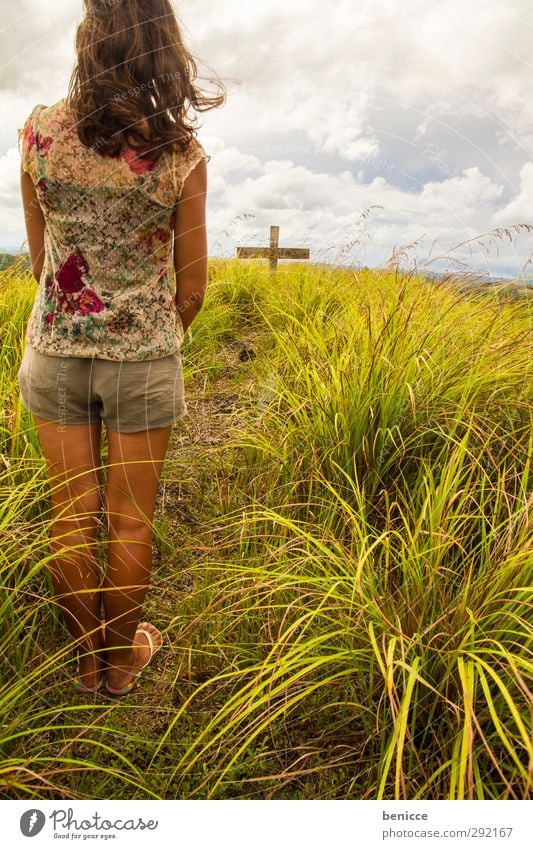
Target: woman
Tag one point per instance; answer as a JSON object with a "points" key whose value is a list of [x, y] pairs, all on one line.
{"points": [[114, 192]]}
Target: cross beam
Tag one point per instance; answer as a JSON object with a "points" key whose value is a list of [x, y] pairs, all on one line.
{"points": [[274, 252]]}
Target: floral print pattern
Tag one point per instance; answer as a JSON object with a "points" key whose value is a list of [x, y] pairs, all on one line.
{"points": [[137, 165], [69, 273], [35, 140], [107, 288]]}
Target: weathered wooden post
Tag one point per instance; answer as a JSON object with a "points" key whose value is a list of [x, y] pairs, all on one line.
{"points": [[274, 252], [274, 248]]}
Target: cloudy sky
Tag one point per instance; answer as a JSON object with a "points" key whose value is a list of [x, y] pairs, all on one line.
{"points": [[358, 128]]}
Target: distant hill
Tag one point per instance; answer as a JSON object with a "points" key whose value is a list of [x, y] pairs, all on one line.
{"points": [[463, 280], [6, 259]]}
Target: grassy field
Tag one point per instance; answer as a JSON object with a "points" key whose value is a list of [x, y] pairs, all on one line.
{"points": [[342, 556]]}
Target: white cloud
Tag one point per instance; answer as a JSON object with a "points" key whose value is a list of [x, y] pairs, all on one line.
{"points": [[11, 217], [468, 192], [520, 208], [231, 159]]}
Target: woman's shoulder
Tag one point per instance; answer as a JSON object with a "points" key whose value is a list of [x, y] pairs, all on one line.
{"points": [[49, 118], [48, 110], [195, 150], [186, 160], [33, 114]]}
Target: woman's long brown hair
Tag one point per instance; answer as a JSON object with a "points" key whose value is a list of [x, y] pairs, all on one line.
{"points": [[134, 80]]}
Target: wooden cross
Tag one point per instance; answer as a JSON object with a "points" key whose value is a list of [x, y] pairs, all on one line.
{"points": [[274, 252]]}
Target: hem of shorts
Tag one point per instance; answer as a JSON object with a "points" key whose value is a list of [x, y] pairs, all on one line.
{"points": [[39, 413], [98, 419], [152, 427]]}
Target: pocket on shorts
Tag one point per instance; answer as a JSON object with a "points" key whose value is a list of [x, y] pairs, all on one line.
{"points": [[38, 369], [143, 385], [167, 380], [22, 373], [142, 398]]}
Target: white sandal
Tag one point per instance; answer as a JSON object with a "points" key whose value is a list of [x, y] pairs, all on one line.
{"points": [[123, 691]]}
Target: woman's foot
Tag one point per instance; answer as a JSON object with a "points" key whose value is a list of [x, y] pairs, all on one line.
{"points": [[89, 675], [145, 647], [91, 667]]}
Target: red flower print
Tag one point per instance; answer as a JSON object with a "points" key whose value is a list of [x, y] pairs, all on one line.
{"points": [[161, 234], [70, 273], [49, 317], [137, 165], [89, 302], [31, 138], [41, 185], [42, 145]]}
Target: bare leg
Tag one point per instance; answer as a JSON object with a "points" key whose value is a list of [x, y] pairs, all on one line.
{"points": [[135, 461], [72, 454]]}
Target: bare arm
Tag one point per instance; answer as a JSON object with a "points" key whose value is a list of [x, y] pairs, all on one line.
{"points": [[190, 247], [35, 225]]}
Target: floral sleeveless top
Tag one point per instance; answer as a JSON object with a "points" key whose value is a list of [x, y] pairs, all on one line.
{"points": [[107, 288]]}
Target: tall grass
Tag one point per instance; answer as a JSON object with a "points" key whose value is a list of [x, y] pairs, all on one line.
{"points": [[352, 616]]}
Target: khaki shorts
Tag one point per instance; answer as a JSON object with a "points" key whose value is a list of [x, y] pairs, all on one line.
{"points": [[129, 396]]}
